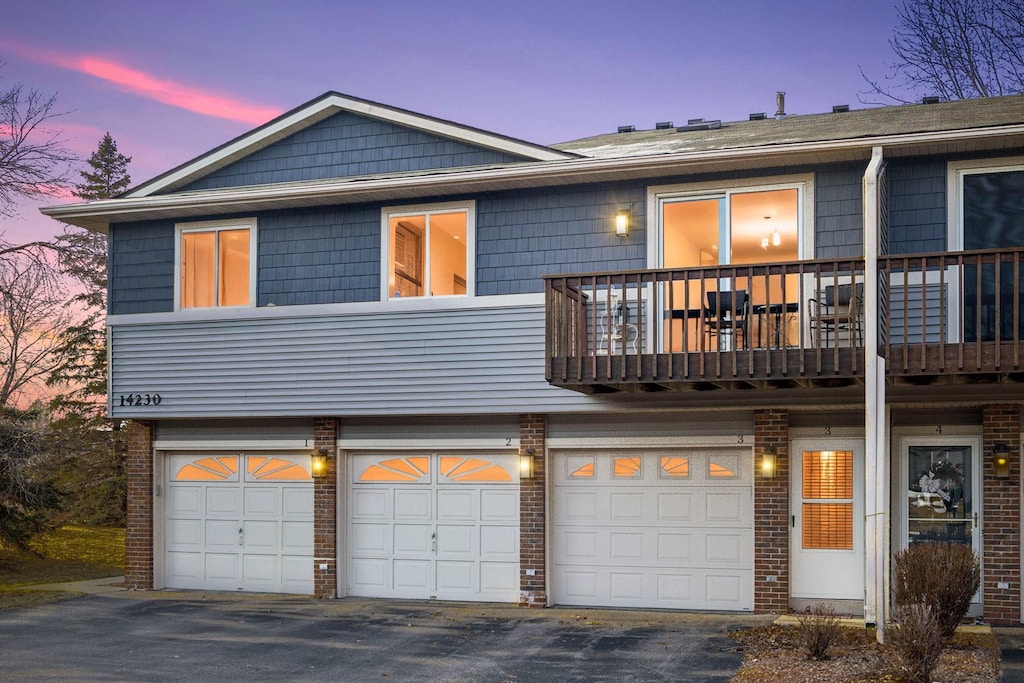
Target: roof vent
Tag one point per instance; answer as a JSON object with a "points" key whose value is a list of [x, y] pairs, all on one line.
{"points": [[662, 125], [931, 99], [627, 129], [759, 116], [700, 124], [840, 109]]}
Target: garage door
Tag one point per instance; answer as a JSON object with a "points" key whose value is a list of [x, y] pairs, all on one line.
{"points": [[654, 529], [239, 522], [431, 525]]}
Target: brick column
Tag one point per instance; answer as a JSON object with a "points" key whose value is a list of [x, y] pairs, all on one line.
{"points": [[325, 511], [138, 467], [1001, 530], [771, 513], [532, 514]]}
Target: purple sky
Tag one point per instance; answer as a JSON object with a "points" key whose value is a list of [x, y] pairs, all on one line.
{"points": [[172, 80]]}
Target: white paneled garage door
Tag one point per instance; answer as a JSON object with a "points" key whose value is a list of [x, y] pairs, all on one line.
{"points": [[429, 525], [239, 522], [671, 529]]}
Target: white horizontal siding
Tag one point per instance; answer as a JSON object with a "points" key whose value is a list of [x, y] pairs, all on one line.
{"points": [[467, 361]]}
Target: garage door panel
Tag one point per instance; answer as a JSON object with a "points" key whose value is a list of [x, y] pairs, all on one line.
{"points": [[237, 533], [453, 505], [499, 542], [184, 534], [412, 538], [676, 506], [296, 502], [222, 568], [371, 503], [184, 500], [413, 503], [453, 539], [223, 500], [370, 538], [260, 535], [499, 505], [223, 534], [450, 532], [676, 533], [455, 577], [260, 569], [627, 506], [296, 537], [413, 575]]}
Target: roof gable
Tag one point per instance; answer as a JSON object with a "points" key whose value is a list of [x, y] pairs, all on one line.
{"points": [[336, 136]]}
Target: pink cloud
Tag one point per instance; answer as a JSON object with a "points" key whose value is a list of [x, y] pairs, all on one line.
{"points": [[183, 96]]}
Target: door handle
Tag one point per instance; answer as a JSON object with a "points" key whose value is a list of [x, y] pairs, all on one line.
{"points": [[241, 536], [433, 542]]}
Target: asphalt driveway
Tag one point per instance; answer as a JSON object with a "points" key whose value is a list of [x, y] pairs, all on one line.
{"points": [[225, 637]]}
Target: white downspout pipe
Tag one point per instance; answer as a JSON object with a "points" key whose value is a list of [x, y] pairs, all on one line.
{"points": [[876, 494]]}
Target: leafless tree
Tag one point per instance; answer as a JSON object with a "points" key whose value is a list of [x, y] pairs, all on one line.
{"points": [[956, 49], [33, 159], [32, 316]]}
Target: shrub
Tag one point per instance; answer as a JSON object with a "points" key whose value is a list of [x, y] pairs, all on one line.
{"points": [[943, 576], [915, 645], [818, 627]]}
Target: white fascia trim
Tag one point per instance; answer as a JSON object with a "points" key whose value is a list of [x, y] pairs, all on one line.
{"points": [[461, 180], [254, 444], [371, 308], [284, 126]]}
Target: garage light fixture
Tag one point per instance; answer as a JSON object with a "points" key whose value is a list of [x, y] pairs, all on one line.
{"points": [[526, 464], [318, 463], [1001, 459], [768, 463]]}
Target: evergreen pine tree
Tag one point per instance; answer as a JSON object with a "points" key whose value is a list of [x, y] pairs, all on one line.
{"points": [[109, 175]]}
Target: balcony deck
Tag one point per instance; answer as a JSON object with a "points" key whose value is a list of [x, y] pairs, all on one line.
{"points": [[949, 318]]}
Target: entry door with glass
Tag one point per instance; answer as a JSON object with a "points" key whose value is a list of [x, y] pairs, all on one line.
{"points": [[941, 499]]}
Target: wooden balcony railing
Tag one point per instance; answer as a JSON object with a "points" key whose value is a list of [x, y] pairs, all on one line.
{"points": [[676, 328], [952, 314], [787, 324]]}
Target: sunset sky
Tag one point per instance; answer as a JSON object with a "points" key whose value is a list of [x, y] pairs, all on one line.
{"points": [[172, 80]]}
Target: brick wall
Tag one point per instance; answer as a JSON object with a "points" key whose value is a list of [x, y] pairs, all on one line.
{"points": [[771, 513], [138, 561], [325, 511], [532, 508], [1001, 528]]}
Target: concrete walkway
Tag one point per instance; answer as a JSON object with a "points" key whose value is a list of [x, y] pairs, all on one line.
{"points": [[1011, 644]]}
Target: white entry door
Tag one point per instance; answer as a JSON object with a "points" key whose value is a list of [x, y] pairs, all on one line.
{"points": [[429, 525], [645, 528], [827, 519], [239, 522]]}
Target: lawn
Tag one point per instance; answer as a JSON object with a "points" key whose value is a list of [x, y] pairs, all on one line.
{"points": [[71, 553]]}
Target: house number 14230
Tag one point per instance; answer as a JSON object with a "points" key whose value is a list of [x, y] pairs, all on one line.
{"points": [[139, 400]]}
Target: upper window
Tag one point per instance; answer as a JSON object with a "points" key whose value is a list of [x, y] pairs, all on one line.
{"points": [[215, 263], [428, 251]]}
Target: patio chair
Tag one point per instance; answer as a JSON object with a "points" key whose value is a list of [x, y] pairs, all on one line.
{"points": [[726, 317], [840, 308]]}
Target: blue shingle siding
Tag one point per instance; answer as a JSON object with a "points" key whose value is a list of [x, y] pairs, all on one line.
{"points": [[141, 268], [917, 207], [522, 236], [839, 212], [319, 256], [349, 145]]}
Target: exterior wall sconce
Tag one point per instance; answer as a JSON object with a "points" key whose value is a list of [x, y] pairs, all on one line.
{"points": [[768, 463], [526, 464], [1001, 458], [623, 217], [318, 463]]}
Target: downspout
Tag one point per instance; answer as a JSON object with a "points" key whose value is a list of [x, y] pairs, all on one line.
{"points": [[876, 493]]}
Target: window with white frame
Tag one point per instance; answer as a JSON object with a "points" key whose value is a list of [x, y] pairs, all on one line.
{"points": [[215, 263], [428, 251]]}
